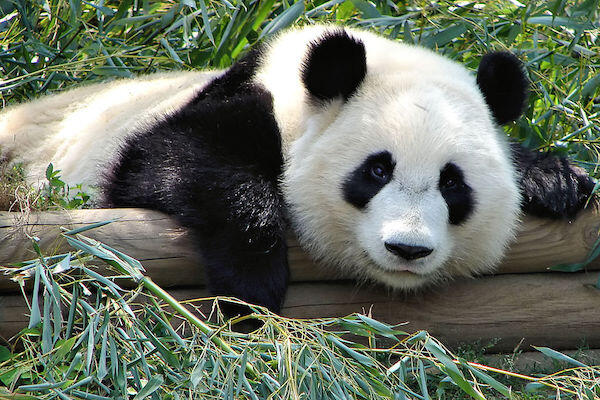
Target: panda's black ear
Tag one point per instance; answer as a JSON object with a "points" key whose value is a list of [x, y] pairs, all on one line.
{"points": [[335, 65], [502, 81]]}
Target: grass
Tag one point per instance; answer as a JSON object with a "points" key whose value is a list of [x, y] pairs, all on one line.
{"points": [[89, 338], [53, 194]]}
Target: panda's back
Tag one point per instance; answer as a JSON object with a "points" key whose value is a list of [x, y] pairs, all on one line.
{"points": [[82, 129]]}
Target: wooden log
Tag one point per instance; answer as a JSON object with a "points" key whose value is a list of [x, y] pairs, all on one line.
{"points": [[157, 241], [167, 253], [559, 310], [544, 309]]}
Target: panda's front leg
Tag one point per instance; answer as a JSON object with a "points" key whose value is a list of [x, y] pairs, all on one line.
{"points": [[242, 240], [551, 186]]}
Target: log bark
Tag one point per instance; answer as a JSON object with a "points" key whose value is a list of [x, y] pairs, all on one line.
{"points": [[557, 310], [166, 250]]}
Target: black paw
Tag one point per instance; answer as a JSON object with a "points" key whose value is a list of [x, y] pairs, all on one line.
{"points": [[552, 187], [234, 311]]}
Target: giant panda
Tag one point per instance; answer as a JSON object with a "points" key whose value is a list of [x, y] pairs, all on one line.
{"points": [[387, 160]]}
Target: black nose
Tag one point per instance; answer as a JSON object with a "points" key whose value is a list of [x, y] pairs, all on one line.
{"points": [[408, 252]]}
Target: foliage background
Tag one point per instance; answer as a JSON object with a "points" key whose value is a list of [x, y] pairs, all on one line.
{"points": [[50, 45], [107, 347]]}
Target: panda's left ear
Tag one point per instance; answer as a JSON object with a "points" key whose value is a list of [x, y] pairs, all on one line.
{"points": [[334, 66], [502, 81]]}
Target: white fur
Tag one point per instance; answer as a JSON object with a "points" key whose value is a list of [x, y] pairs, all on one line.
{"points": [[81, 130], [424, 109]]}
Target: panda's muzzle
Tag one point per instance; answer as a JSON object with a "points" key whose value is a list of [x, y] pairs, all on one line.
{"points": [[408, 252]]}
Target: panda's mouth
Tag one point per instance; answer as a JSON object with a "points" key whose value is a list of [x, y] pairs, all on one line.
{"points": [[411, 268]]}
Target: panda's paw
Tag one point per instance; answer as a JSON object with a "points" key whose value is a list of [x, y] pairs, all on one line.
{"points": [[553, 187]]}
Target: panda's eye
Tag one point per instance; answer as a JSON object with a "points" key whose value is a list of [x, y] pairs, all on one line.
{"points": [[450, 177], [448, 183], [379, 172]]}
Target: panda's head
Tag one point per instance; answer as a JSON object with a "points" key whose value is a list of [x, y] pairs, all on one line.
{"points": [[401, 173]]}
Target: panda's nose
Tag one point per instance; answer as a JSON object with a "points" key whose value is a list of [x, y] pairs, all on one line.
{"points": [[408, 252]]}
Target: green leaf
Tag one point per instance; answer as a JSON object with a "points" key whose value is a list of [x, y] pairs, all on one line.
{"points": [[153, 384], [423, 381], [407, 34], [451, 369], [552, 21], [241, 372], [49, 170], [101, 370], [170, 50], [283, 20], [444, 36], [574, 267], [85, 381], [56, 182], [196, 374], [381, 328], [11, 377], [206, 21], [112, 70], [47, 323], [488, 379], [89, 396], [35, 318], [5, 354], [559, 356], [40, 386], [168, 356], [64, 348], [104, 10], [367, 9], [535, 387], [361, 358], [590, 87], [63, 265], [75, 10]]}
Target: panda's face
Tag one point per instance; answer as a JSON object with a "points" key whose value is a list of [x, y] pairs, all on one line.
{"points": [[404, 219], [404, 184], [396, 169]]}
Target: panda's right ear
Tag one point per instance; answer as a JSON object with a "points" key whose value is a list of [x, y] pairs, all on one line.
{"points": [[335, 65]]}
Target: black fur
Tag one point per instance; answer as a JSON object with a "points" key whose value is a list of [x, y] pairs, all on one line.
{"points": [[551, 186], [335, 66], [214, 165], [458, 195], [361, 185], [504, 85]]}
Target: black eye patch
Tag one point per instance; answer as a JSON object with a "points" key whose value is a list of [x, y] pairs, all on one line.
{"points": [[457, 194], [368, 178]]}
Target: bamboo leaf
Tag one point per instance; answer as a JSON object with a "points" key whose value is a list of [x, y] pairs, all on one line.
{"points": [[283, 20], [559, 356], [35, 318], [367, 9], [88, 227], [153, 385], [554, 21], [207, 27], [170, 50], [47, 323], [361, 358]]}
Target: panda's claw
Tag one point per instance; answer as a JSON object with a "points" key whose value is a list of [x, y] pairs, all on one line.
{"points": [[551, 186]]}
